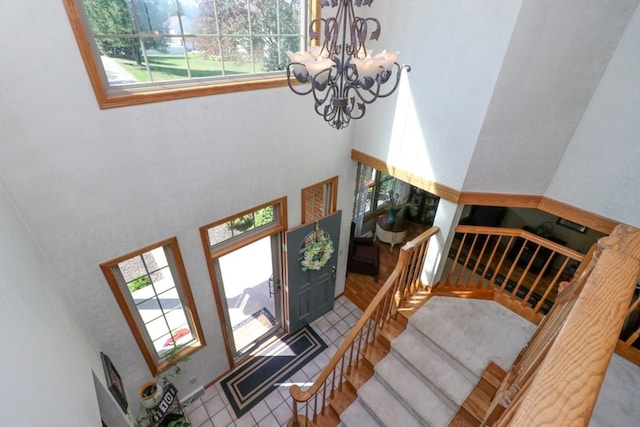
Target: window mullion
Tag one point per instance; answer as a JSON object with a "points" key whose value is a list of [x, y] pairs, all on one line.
{"points": [[218, 36], [140, 36], [251, 52], [184, 41], [135, 313], [279, 40]]}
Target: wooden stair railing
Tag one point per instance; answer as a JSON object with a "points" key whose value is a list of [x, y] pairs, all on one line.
{"points": [[497, 263], [403, 282], [530, 358], [486, 265], [557, 378]]}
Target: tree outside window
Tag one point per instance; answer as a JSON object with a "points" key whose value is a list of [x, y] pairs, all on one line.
{"points": [[162, 40]]}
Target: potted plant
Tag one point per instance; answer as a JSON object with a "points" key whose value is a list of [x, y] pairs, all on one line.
{"points": [[152, 392], [177, 420], [395, 205]]}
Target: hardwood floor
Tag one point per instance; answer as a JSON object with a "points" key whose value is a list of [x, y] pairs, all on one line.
{"points": [[360, 288]]}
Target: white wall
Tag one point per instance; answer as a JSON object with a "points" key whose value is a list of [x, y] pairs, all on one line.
{"points": [[600, 171], [558, 52], [455, 50], [48, 354], [94, 185]]}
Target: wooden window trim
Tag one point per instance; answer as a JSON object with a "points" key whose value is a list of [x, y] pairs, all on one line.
{"points": [[333, 196], [158, 93], [107, 268], [210, 254]]}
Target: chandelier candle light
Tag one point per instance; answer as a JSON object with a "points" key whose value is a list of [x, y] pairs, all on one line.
{"points": [[344, 76]]}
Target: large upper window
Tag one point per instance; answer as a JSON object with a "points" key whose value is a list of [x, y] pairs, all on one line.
{"points": [[151, 46], [153, 292]]}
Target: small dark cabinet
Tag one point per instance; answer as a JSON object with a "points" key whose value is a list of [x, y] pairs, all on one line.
{"points": [[425, 205], [530, 249]]}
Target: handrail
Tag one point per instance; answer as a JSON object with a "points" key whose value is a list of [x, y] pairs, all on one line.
{"points": [[579, 351], [403, 280], [520, 289], [520, 269]]}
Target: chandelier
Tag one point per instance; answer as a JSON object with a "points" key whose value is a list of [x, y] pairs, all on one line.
{"points": [[341, 73]]}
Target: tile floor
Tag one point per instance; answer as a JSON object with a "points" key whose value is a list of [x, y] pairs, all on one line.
{"points": [[213, 408]]}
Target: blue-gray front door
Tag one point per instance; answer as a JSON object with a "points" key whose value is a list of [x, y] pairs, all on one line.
{"points": [[310, 293]]}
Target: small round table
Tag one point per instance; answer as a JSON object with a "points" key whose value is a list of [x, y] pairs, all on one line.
{"points": [[390, 233]]}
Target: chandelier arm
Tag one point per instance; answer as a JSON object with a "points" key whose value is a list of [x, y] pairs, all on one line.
{"points": [[320, 97], [331, 34], [317, 22], [361, 107], [359, 33], [361, 94], [291, 86], [321, 93], [398, 74]]}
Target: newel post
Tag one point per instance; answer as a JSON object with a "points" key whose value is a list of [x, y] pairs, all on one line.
{"points": [[565, 387]]}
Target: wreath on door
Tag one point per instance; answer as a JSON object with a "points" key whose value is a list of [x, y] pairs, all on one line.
{"points": [[318, 250]]}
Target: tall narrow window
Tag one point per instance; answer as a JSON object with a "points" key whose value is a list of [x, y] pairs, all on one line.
{"points": [[153, 292], [319, 200], [380, 184]]}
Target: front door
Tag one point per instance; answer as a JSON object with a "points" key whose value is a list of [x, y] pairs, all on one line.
{"points": [[311, 279]]}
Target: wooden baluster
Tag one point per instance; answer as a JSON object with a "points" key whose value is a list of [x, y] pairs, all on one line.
{"points": [[315, 407], [466, 261], [479, 285], [358, 353], [341, 376], [633, 337], [492, 282], [551, 286], [514, 293], [478, 261], [324, 396], [450, 276], [295, 422]]}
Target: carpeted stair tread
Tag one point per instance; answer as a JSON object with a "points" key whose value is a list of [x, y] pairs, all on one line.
{"points": [[474, 332], [618, 398], [452, 381], [385, 406], [415, 392], [357, 415]]}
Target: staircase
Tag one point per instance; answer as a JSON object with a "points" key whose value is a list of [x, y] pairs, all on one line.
{"points": [[436, 362], [439, 364], [433, 366]]}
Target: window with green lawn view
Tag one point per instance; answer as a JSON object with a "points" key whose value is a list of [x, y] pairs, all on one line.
{"points": [[151, 41], [152, 289]]}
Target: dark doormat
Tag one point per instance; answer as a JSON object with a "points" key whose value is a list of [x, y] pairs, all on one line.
{"points": [[253, 381]]}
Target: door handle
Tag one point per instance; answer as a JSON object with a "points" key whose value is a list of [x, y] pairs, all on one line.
{"points": [[271, 286], [333, 273]]}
